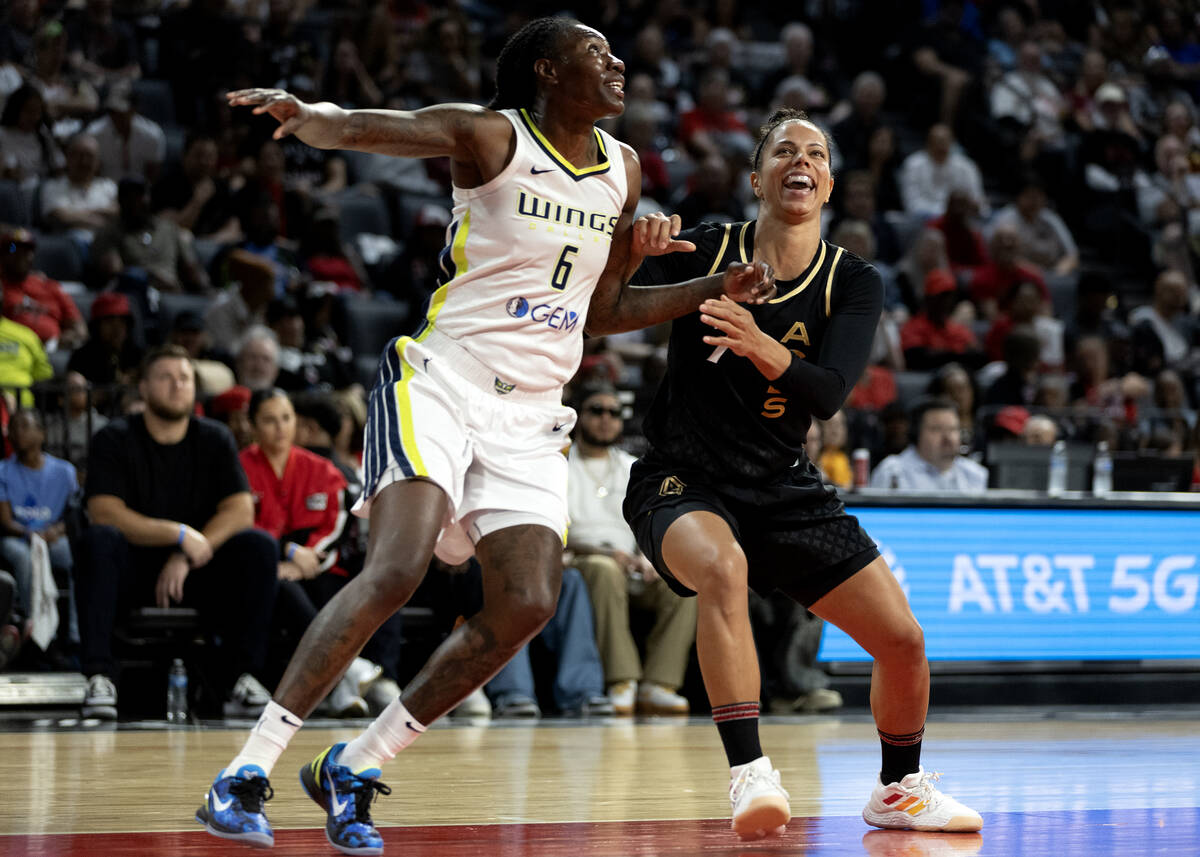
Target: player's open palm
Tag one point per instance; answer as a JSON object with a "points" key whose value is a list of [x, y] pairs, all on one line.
{"points": [[285, 108], [741, 334], [750, 283]]}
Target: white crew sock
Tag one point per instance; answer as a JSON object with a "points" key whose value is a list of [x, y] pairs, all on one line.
{"points": [[268, 739], [392, 731]]}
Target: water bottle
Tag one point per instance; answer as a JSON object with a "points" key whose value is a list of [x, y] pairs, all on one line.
{"points": [[177, 693], [1058, 470], [1102, 471]]}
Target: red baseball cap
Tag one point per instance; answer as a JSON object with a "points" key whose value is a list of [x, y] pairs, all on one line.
{"points": [[938, 282], [108, 304]]}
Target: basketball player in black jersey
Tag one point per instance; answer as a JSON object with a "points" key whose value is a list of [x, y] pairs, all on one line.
{"points": [[725, 496]]}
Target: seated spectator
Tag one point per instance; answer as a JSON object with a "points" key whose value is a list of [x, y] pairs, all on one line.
{"points": [[328, 258], [194, 196], [68, 95], [30, 152], [1095, 302], [1018, 384], [244, 304], [932, 461], [832, 458], [570, 637], [299, 499], [69, 430], [711, 197], [110, 356], [1039, 430], [81, 201], [33, 299], [1170, 425], [302, 367], [1042, 237], [1026, 311], [139, 239], [35, 491], [319, 422], [994, 282], [1030, 103], [928, 175], [129, 144], [232, 408], [965, 247], [931, 338], [167, 497], [413, 275], [1165, 334], [214, 366], [101, 47], [23, 361], [444, 69], [261, 223], [714, 127], [853, 133], [955, 383], [858, 203], [927, 254], [601, 545], [257, 359]]}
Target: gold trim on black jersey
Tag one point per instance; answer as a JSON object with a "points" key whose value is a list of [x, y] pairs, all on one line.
{"points": [[721, 250], [742, 242], [803, 285], [837, 257]]}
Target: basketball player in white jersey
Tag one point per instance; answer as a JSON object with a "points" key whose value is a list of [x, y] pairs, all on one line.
{"points": [[466, 422]]}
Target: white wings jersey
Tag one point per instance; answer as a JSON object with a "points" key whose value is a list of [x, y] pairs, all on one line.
{"points": [[523, 255]]}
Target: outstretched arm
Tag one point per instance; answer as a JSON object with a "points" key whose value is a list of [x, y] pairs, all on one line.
{"points": [[466, 133], [617, 306]]}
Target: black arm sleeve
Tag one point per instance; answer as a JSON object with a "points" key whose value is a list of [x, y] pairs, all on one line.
{"points": [[823, 385]]}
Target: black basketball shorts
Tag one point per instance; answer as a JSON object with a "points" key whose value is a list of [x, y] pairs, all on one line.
{"points": [[795, 532]]}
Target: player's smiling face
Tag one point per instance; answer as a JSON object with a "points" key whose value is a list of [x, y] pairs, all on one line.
{"points": [[793, 176], [589, 72]]}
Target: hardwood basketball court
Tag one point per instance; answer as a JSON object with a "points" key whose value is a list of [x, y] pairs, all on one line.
{"points": [[1062, 783]]}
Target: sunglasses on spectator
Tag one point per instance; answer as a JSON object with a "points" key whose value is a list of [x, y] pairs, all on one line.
{"points": [[600, 410]]}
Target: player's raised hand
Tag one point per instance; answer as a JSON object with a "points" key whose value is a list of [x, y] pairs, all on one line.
{"points": [[287, 109], [752, 283], [654, 235]]}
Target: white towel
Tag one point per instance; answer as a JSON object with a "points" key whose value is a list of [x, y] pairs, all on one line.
{"points": [[44, 598]]}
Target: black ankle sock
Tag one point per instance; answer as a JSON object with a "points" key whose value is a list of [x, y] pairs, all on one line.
{"points": [[737, 724], [901, 755]]}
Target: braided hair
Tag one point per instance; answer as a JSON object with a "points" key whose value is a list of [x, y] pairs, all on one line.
{"points": [[516, 81], [783, 114]]}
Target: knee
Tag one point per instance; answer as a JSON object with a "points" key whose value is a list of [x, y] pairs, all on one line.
{"points": [[390, 582], [523, 614], [902, 641], [721, 576], [256, 546]]}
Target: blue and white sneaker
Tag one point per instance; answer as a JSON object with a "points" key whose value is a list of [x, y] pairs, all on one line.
{"points": [[346, 796], [233, 807]]}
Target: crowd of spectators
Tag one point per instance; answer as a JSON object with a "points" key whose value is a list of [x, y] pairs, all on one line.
{"points": [[1025, 176]]}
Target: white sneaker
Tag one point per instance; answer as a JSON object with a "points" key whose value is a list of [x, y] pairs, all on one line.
{"points": [[344, 701], [247, 699], [655, 699], [381, 694], [361, 674], [100, 699], [760, 804], [622, 695], [474, 706], [914, 804]]}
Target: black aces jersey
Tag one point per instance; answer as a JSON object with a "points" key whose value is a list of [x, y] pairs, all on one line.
{"points": [[725, 418]]}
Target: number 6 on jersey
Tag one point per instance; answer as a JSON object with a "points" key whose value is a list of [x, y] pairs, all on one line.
{"points": [[562, 271]]}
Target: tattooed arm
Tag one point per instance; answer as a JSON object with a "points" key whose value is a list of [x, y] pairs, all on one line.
{"points": [[478, 141]]}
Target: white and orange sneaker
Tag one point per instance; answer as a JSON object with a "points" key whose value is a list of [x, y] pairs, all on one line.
{"points": [[760, 804], [914, 804]]}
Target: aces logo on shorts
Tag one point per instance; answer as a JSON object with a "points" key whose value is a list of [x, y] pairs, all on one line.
{"points": [[316, 502], [672, 486]]}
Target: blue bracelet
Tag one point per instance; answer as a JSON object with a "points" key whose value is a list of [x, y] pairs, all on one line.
{"points": [[291, 552], [182, 533]]}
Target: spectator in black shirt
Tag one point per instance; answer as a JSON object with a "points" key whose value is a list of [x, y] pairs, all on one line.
{"points": [[111, 355], [195, 196], [172, 523]]}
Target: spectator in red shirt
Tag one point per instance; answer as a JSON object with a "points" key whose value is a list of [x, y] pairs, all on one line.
{"points": [[712, 127], [33, 299], [964, 243], [930, 339], [994, 282]]}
